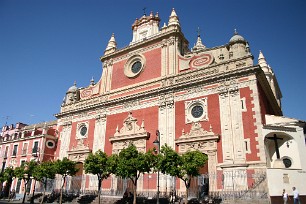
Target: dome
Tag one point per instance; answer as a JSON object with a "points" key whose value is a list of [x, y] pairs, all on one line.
{"points": [[236, 38], [73, 88]]}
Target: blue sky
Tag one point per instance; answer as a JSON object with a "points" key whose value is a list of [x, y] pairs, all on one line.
{"points": [[46, 45]]}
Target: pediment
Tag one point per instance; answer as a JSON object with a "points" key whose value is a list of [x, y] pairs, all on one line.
{"points": [[79, 152], [197, 133], [197, 139], [130, 130]]}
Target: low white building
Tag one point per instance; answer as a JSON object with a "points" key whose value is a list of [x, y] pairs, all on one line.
{"points": [[286, 157]]}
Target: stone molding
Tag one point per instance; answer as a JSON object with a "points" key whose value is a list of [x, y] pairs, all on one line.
{"points": [[205, 142], [279, 128], [130, 132], [178, 82], [197, 139], [79, 152]]}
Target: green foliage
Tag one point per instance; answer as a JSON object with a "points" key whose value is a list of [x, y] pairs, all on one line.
{"points": [[169, 161], [192, 162], [25, 171], [45, 170], [132, 163], [112, 163], [98, 164], [182, 166], [7, 175], [65, 167]]}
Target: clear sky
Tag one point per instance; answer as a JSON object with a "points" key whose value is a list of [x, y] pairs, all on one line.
{"points": [[46, 45]]}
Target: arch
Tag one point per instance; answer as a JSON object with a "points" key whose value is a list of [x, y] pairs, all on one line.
{"points": [[205, 142], [287, 150], [76, 181], [199, 186]]}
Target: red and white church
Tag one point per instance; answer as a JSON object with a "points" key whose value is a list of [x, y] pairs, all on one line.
{"points": [[218, 100]]}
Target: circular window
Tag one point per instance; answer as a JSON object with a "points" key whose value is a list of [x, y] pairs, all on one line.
{"points": [[136, 67], [197, 111], [83, 130], [50, 144], [287, 162]]}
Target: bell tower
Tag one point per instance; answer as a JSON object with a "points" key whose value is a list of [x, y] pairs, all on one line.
{"points": [[145, 27]]}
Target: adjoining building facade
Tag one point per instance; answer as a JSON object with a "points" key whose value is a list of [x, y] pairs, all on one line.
{"points": [[21, 143], [216, 100]]}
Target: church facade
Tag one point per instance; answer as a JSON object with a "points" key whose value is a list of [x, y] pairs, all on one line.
{"points": [[216, 100]]}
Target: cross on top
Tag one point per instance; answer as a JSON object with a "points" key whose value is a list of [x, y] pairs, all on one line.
{"points": [[275, 138], [144, 11]]}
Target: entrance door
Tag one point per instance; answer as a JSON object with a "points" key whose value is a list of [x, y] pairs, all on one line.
{"points": [[199, 186], [76, 181]]}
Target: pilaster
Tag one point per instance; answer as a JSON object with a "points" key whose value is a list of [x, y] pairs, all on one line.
{"points": [[65, 140], [99, 133]]}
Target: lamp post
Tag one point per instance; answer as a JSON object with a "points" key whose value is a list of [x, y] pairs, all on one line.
{"points": [[36, 155], [157, 143]]}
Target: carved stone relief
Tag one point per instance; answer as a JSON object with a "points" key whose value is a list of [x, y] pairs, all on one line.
{"points": [[130, 132], [79, 152], [204, 141]]}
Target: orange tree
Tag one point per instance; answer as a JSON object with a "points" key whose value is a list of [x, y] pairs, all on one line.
{"points": [[65, 167], [25, 172], [100, 165], [183, 166], [44, 171], [7, 176], [130, 163]]}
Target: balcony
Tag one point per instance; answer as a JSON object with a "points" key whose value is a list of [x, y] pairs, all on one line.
{"points": [[35, 150], [14, 153]]}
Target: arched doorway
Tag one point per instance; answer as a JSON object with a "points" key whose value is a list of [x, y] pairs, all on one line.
{"points": [[76, 181], [281, 151], [199, 186], [205, 142]]}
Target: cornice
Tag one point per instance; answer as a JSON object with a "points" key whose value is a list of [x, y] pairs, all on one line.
{"points": [[279, 128], [143, 43], [137, 136], [268, 91], [29, 138], [181, 81]]}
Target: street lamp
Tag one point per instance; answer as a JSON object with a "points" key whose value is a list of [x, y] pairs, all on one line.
{"points": [[157, 143], [36, 154]]}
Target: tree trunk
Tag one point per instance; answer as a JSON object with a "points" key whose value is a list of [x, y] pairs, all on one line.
{"points": [[186, 198], [7, 191], [99, 189], [61, 195], [25, 191], [134, 192], [44, 193]]}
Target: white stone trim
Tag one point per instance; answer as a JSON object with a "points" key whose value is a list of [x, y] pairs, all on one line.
{"points": [[247, 146], [99, 134], [65, 140], [188, 108], [129, 63], [80, 125]]}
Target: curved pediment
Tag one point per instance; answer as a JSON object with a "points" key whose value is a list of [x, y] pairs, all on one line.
{"points": [[130, 130], [197, 139]]}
